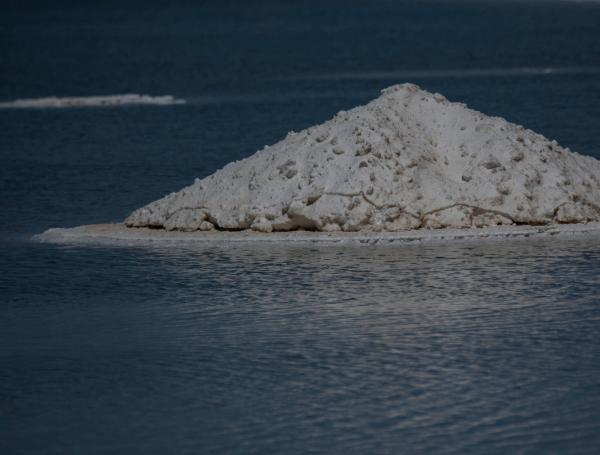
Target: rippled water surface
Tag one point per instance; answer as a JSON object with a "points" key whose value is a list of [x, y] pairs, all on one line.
{"points": [[291, 349], [282, 349]]}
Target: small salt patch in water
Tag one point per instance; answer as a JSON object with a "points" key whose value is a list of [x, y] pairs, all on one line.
{"points": [[91, 101]]}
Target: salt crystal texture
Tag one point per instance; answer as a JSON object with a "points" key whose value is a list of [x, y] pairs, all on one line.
{"points": [[407, 160]]}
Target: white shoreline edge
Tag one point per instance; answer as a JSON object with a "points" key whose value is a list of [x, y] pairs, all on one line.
{"points": [[119, 234]]}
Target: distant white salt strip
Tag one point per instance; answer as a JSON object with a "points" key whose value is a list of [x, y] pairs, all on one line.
{"points": [[452, 73], [118, 234], [91, 101]]}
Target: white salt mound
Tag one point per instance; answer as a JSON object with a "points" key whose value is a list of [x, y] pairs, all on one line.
{"points": [[407, 160]]}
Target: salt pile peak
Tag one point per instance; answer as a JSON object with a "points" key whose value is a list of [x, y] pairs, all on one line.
{"points": [[409, 159]]}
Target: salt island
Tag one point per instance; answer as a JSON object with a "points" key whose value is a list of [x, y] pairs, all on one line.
{"points": [[408, 166]]}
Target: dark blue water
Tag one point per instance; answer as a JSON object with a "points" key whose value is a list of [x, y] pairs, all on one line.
{"points": [[285, 349]]}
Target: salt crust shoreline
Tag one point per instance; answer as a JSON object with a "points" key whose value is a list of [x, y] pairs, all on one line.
{"points": [[119, 234]]}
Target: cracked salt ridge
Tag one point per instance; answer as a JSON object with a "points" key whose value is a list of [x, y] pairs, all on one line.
{"points": [[407, 160], [118, 234]]}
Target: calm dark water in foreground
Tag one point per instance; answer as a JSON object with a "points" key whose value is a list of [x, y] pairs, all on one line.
{"points": [[283, 349], [294, 349]]}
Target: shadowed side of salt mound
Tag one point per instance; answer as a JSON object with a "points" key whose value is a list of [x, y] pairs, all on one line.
{"points": [[407, 160]]}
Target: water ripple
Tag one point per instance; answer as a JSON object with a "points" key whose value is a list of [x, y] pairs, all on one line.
{"points": [[453, 349]]}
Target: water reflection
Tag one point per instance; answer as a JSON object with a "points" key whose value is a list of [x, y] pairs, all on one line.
{"points": [[254, 348]]}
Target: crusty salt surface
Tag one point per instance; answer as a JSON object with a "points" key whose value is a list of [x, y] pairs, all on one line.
{"points": [[407, 160]]}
